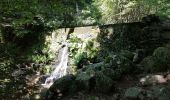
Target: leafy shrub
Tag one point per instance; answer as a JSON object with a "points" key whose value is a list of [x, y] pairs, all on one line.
{"points": [[82, 51], [46, 69], [79, 57], [40, 53]]}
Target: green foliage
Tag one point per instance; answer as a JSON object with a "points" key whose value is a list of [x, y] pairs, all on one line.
{"points": [[46, 69], [81, 50], [78, 57], [5, 66], [40, 54], [119, 11]]}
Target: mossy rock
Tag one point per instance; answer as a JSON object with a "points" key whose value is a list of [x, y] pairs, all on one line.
{"points": [[161, 57], [113, 74], [162, 54], [61, 86], [159, 93], [148, 64], [83, 79], [133, 93], [103, 84], [165, 93], [127, 54], [123, 64], [159, 61]]}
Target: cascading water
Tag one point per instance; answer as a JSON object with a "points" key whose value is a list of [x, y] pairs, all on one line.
{"points": [[61, 67]]}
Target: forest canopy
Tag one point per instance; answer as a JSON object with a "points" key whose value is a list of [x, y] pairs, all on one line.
{"points": [[83, 12]]}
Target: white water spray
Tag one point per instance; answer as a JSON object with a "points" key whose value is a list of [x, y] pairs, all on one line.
{"points": [[61, 67]]}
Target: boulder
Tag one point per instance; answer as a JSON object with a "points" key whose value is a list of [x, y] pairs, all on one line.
{"points": [[83, 79], [61, 87], [159, 61], [165, 93], [127, 54], [162, 53], [133, 93], [148, 64], [113, 74], [103, 84], [159, 93], [123, 64], [161, 57]]}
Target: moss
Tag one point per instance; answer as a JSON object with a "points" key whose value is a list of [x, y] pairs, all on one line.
{"points": [[161, 57], [148, 64], [127, 54], [83, 79], [159, 61], [113, 74], [103, 84]]}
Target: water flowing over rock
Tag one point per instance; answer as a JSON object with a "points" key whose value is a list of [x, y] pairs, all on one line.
{"points": [[61, 67]]}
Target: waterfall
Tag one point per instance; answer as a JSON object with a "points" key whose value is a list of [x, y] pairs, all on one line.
{"points": [[61, 67]]}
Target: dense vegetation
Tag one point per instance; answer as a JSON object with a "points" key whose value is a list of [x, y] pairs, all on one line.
{"points": [[27, 25]]}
